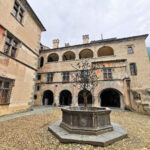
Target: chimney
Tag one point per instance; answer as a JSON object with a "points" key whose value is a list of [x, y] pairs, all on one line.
{"points": [[85, 39], [56, 43], [67, 44]]}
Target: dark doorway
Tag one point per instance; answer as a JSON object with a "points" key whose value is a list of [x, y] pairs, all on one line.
{"points": [[81, 99], [110, 98], [48, 98], [65, 98]]}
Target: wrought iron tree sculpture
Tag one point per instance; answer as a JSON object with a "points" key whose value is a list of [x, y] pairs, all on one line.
{"points": [[85, 78]]}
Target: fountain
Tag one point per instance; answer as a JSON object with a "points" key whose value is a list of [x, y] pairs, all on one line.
{"points": [[86, 120], [87, 125]]}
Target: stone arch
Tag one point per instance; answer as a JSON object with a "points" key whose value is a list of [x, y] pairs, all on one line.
{"points": [[111, 97], [105, 51], [86, 53], [53, 57], [65, 98], [41, 62], [68, 56], [81, 100], [48, 98]]}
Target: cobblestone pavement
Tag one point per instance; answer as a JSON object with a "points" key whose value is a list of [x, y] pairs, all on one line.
{"points": [[30, 132]]}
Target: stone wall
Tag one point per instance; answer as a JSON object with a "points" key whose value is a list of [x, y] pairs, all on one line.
{"points": [[139, 82], [23, 67]]}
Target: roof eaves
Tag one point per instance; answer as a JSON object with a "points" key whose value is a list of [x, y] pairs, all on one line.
{"points": [[102, 41], [35, 16]]}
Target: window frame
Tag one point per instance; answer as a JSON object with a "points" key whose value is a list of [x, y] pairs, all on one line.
{"points": [[7, 89], [130, 49], [107, 74], [35, 97], [12, 45], [133, 69], [19, 11], [136, 95], [65, 76], [38, 87], [85, 76], [39, 77], [41, 62], [50, 77]]}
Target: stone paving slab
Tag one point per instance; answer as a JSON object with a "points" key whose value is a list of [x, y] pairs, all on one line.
{"points": [[98, 140]]}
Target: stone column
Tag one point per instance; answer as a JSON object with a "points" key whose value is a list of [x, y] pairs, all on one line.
{"points": [[95, 53], [121, 102], [41, 100], [56, 100], [75, 101], [60, 57], [77, 56], [96, 101]]}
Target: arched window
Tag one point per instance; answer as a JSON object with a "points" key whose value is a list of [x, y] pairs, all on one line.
{"points": [[68, 56], [105, 51], [53, 57], [41, 62], [86, 53]]}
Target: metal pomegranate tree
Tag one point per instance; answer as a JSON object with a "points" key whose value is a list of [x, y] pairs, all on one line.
{"points": [[85, 78]]}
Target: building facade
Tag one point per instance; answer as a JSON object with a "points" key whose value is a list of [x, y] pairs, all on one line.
{"points": [[122, 67], [19, 53]]}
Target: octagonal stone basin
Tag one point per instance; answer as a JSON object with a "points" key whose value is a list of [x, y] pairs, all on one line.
{"points": [[86, 120]]}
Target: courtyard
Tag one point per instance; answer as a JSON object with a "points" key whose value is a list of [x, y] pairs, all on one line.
{"points": [[29, 131]]}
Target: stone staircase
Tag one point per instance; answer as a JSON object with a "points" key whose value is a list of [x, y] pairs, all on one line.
{"points": [[146, 107], [143, 107]]}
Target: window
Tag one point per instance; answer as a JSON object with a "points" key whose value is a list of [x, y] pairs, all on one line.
{"points": [[41, 62], [35, 97], [7, 44], [37, 88], [65, 76], [15, 9], [133, 69], [10, 47], [136, 96], [5, 90], [38, 77], [18, 12], [85, 76], [130, 50], [107, 73], [50, 77]]}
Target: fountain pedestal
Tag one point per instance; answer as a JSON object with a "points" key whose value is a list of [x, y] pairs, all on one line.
{"points": [[87, 121], [89, 125]]}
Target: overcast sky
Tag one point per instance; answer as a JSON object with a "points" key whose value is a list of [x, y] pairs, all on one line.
{"points": [[68, 20]]}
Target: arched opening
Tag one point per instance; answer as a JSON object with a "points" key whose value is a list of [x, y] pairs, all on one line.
{"points": [[81, 98], [48, 98], [86, 53], [52, 57], [41, 62], [105, 51], [68, 56], [110, 98], [65, 98]]}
